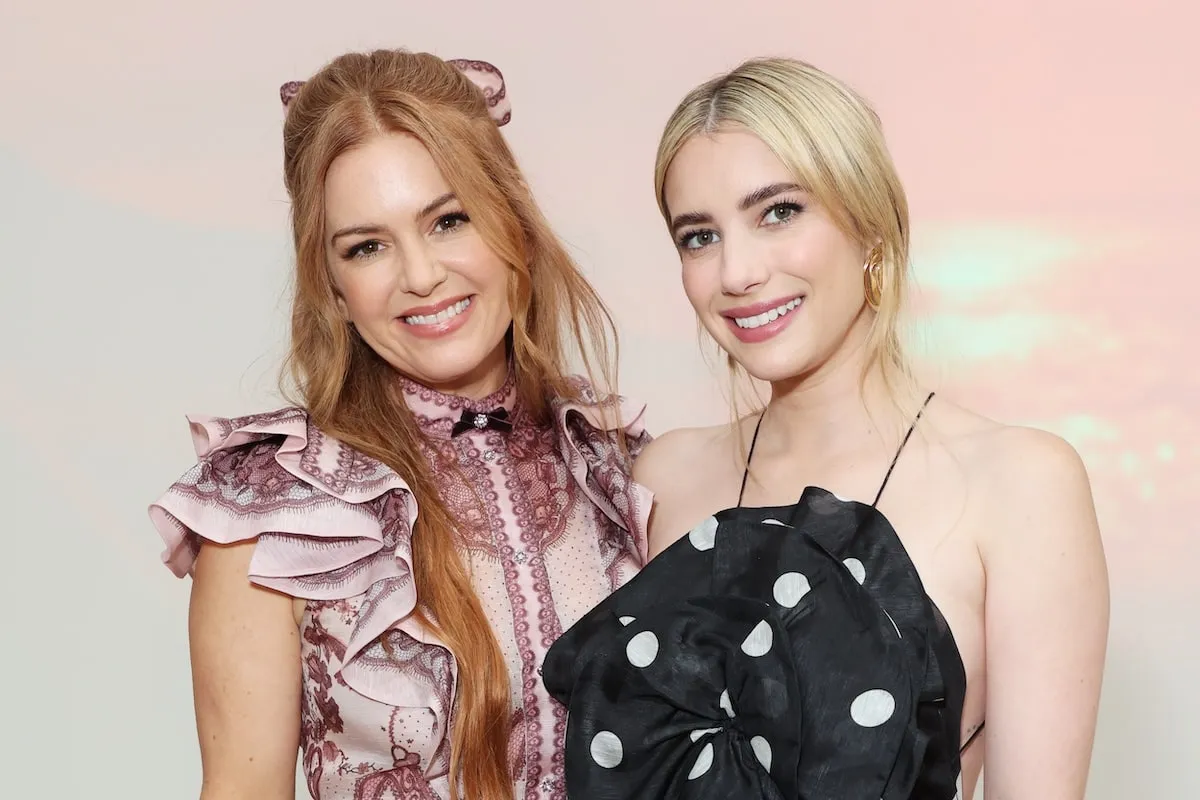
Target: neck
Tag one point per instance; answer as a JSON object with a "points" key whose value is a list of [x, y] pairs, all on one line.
{"points": [[486, 379], [835, 408]]}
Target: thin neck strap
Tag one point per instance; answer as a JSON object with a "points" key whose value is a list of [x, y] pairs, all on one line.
{"points": [[750, 455], [900, 449], [882, 486]]}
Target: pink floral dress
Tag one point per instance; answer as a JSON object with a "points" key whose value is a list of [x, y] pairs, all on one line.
{"points": [[557, 527]]}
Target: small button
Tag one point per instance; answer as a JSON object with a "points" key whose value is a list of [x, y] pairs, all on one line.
{"points": [[489, 455], [481, 421], [519, 556]]}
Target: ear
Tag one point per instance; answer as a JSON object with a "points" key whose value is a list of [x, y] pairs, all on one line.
{"points": [[288, 92], [491, 82]]}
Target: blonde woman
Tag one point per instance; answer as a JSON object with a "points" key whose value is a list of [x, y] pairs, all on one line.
{"points": [[378, 570], [939, 571]]}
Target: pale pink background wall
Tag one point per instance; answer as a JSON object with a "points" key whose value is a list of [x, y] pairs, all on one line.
{"points": [[1049, 148]]}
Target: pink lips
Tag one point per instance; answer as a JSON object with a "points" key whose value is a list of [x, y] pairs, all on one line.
{"points": [[439, 329], [763, 332]]}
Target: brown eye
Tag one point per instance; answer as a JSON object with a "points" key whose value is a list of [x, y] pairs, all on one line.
{"points": [[365, 249], [451, 222]]}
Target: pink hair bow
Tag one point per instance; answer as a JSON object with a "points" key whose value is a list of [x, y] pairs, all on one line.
{"points": [[484, 75]]}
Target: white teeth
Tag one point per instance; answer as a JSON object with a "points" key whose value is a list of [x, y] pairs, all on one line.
{"points": [[441, 316], [758, 320]]}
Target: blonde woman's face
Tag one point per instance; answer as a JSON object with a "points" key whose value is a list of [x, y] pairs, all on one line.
{"points": [[771, 276], [414, 276]]}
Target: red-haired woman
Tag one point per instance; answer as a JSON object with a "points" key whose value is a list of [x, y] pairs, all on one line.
{"points": [[379, 570]]}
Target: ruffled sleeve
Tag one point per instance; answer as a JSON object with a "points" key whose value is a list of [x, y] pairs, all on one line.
{"points": [[329, 522], [587, 434]]}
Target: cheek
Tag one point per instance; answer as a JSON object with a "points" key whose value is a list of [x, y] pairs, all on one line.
{"points": [[363, 295], [485, 272], [698, 285], [473, 261]]}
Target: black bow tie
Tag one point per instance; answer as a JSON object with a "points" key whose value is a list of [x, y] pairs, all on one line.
{"points": [[478, 420]]}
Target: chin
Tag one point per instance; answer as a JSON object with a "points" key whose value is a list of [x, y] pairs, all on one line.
{"points": [[774, 373], [459, 368], [779, 364]]}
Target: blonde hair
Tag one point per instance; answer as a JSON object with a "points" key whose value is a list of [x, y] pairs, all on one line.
{"points": [[831, 140], [353, 395]]}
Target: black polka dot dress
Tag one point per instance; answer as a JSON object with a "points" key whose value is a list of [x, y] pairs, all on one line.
{"points": [[787, 653]]}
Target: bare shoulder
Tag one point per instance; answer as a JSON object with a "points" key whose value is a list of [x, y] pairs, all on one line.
{"points": [[1018, 473], [683, 468], [658, 467], [1016, 458]]}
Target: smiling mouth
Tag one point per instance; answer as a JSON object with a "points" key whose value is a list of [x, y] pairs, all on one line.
{"points": [[767, 317], [445, 315]]}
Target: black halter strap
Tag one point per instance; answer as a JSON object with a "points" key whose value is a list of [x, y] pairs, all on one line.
{"points": [[886, 477]]}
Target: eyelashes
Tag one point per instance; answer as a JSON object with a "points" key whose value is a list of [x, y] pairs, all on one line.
{"points": [[780, 213], [783, 211], [694, 240], [362, 250], [445, 225], [458, 218]]}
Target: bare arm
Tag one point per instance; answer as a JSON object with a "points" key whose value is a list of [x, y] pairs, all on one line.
{"points": [[1046, 622], [246, 679]]}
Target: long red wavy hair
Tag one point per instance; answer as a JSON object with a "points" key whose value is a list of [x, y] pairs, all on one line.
{"points": [[352, 394]]}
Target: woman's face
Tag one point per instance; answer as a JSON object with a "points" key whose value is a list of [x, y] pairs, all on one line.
{"points": [[772, 277], [412, 272]]}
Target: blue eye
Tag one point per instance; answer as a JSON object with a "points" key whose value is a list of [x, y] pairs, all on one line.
{"points": [[698, 240]]}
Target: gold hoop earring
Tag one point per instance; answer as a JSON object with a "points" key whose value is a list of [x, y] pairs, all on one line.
{"points": [[873, 278]]}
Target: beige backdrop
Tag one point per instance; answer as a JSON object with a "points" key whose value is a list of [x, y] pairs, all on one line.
{"points": [[1048, 147]]}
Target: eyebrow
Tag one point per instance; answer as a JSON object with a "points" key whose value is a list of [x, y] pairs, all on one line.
{"points": [[436, 204], [373, 230], [749, 201], [357, 230]]}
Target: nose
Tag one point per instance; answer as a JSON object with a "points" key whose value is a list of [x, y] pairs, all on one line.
{"points": [[743, 267], [420, 271]]}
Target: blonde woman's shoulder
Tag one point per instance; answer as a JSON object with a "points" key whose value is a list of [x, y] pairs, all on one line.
{"points": [[660, 463], [687, 470], [1016, 472]]}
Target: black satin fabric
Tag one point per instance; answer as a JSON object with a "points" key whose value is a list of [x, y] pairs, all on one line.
{"points": [[785, 653]]}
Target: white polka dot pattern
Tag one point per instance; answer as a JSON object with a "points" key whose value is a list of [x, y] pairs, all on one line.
{"points": [[704, 536], [790, 589], [726, 703], [607, 751], [856, 569], [704, 762], [642, 649], [762, 751], [758, 643], [806, 626], [873, 708]]}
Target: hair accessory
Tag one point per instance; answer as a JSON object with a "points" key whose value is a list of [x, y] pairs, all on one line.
{"points": [[288, 91], [481, 73], [491, 82]]}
